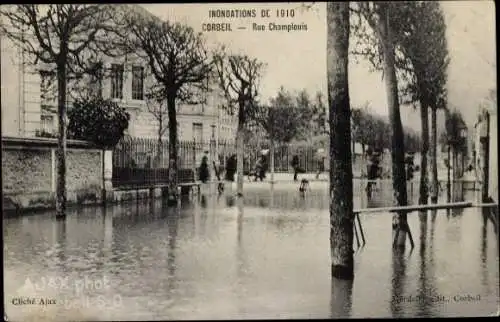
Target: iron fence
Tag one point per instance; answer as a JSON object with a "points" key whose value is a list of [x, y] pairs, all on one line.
{"points": [[309, 160], [144, 161]]}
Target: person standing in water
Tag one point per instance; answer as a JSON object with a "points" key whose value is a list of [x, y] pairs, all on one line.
{"points": [[295, 166], [204, 172], [231, 168]]}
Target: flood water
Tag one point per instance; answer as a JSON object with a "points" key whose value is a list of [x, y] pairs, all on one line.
{"points": [[217, 259]]}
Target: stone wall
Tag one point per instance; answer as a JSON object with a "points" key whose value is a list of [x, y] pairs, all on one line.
{"points": [[84, 169], [29, 173], [26, 170]]}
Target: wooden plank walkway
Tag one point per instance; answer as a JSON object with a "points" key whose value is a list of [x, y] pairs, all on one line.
{"points": [[414, 208]]}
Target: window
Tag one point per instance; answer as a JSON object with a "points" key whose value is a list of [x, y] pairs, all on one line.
{"points": [[96, 80], [198, 132], [47, 123], [137, 83], [117, 81], [46, 88]]}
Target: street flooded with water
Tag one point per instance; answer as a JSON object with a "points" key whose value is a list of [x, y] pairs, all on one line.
{"points": [[219, 259]]}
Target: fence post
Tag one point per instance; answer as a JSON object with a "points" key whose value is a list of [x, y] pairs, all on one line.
{"points": [[53, 168], [194, 159], [213, 158], [107, 186]]}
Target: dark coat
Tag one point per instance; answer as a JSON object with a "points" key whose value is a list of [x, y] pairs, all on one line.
{"points": [[230, 168], [204, 173]]}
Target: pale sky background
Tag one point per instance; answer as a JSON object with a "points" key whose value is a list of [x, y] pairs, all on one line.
{"points": [[297, 59]]}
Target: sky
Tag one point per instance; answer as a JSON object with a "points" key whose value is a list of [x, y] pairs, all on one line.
{"points": [[297, 59]]}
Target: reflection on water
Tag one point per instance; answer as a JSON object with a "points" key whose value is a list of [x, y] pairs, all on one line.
{"points": [[341, 298], [398, 279], [266, 256]]}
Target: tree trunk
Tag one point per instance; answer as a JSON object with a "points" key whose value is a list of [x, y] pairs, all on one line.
{"points": [[423, 191], [341, 190], [434, 172], [400, 225], [341, 299], [463, 157], [448, 182], [172, 150], [240, 142], [353, 150], [61, 140]]}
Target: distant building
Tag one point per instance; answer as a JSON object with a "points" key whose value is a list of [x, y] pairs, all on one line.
{"points": [[27, 108], [481, 132]]}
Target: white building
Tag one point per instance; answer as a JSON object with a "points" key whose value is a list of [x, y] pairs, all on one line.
{"points": [[26, 110]]}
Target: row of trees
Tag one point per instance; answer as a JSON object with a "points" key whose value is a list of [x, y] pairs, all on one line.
{"points": [[288, 116], [291, 117], [370, 130], [413, 57]]}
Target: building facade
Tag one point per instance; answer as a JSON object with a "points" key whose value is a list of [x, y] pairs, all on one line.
{"points": [[483, 131], [29, 106]]}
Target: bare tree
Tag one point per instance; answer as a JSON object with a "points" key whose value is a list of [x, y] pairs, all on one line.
{"points": [[341, 188], [238, 77], [68, 39], [179, 62], [159, 110]]}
